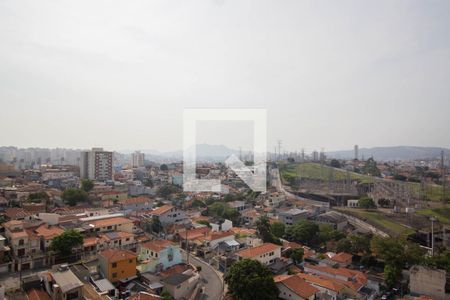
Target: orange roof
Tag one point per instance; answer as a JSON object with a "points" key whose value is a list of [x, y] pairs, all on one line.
{"points": [[243, 231], [162, 210], [115, 235], [258, 250], [19, 234], [157, 245], [218, 235], [135, 200], [90, 241], [145, 296], [355, 279], [48, 232], [114, 255], [298, 285], [110, 221], [196, 233], [37, 294], [322, 281], [342, 257], [16, 213]]}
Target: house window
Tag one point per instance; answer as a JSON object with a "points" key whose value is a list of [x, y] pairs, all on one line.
{"points": [[114, 265], [114, 275], [130, 261], [21, 242]]}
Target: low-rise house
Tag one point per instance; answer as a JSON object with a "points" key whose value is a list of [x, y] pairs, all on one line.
{"points": [[334, 219], [181, 285], [266, 253], [116, 239], [158, 255], [343, 259], [47, 233], [169, 215], [427, 281], [275, 199], [17, 213], [240, 206], [293, 216], [294, 287], [136, 204], [117, 265], [328, 288], [106, 223], [62, 284], [352, 279], [250, 216]]}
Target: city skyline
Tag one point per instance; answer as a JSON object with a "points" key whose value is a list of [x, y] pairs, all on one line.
{"points": [[330, 74]]}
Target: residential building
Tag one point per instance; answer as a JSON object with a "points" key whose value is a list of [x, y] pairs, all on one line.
{"points": [[334, 219], [343, 259], [137, 159], [295, 288], [158, 255], [428, 282], [96, 164], [181, 285], [62, 284], [293, 216], [47, 233], [266, 253], [168, 215], [275, 199], [117, 265], [136, 204], [108, 223]]}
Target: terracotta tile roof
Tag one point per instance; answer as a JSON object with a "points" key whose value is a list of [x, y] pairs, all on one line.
{"points": [[212, 236], [16, 213], [243, 231], [298, 285], [135, 200], [114, 255], [258, 250], [355, 279], [145, 296], [37, 294], [322, 281], [12, 223], [90, 241], [196, 233], [116, 235], [110, 222], [48, 232], [162, 210], [157, 245], [342, 257], [19, 234]]}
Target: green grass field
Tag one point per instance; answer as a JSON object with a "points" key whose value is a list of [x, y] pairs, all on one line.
{"points": [[442, 214], [320, 172], [379, 220]]}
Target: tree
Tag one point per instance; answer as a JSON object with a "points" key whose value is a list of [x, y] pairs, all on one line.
{"points": [[371, 168], [65, 242], [384, 202], [304, 232], [392, 275], [167, 190], [335, 163], [278, 229], [297, 255], [38, 197], [265, 230], [344, 245], [204, 222], [165, 295], [249, 279], [366, 203], [87, 185], [73, 196], [163, 167]]}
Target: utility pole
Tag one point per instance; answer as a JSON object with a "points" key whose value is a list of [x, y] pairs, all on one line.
{"points": [[279, 148], [443, 176], [432, 219]]}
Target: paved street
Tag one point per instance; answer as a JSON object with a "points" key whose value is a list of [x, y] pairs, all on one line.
{"points": [[212, 281]]}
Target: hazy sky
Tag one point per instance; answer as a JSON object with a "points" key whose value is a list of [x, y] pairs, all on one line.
{"points": [[118, 74]]}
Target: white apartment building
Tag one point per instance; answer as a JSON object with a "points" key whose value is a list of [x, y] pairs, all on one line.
{"points": [[137, 159]]}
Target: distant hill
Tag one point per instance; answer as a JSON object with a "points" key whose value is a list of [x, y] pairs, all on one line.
{"points": [[204, 152], [393, 153]]}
